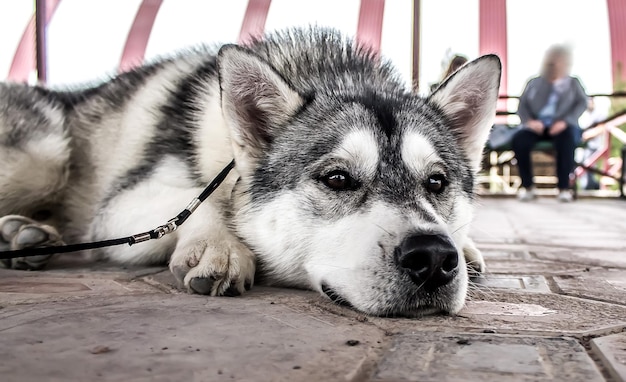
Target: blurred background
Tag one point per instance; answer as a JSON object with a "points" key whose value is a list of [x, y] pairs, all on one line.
{"points": [[69, 42], [87, 39]]}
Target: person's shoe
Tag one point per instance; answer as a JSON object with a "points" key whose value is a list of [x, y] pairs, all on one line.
{"points": [[565, 196], [526, 195]]}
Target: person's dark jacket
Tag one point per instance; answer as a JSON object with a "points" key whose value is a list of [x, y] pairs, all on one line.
{"points": [[572, 101]]}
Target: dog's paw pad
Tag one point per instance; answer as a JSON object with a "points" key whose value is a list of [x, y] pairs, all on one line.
{"points": [[30, 236], [202, 285], [18, 232], [10, 225]]}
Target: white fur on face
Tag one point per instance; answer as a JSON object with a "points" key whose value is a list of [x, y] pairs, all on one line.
{"points": [[342, 248], [420, 157], [360, 147], [351, 255], [291, 242], [418, 153]]}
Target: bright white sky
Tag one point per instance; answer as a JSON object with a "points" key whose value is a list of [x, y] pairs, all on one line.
{"points": [[86, 38]]}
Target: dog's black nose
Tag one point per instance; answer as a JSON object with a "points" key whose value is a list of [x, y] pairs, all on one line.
{"points": [[430, 260]]}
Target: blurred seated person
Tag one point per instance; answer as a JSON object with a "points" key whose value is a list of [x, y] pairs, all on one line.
{"points": [[549, 109]]}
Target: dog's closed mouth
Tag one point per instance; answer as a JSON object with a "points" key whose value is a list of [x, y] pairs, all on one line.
{"points": [[335, 297]]}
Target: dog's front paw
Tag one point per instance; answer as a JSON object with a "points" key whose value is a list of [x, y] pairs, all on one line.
{"points": [[19, 232], [474, 259], [215, 268]]}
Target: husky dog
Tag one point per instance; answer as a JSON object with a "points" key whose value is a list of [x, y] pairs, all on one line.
{"points": [[345, 181]]}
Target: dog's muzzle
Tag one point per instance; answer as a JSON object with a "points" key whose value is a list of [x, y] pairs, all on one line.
{"points": [[430, 260]]}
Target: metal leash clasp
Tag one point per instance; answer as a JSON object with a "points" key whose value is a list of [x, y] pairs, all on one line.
{"points": [[168, 228], [156, 233]]}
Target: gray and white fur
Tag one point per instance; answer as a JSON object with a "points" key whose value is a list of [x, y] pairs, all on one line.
{"points": [[345, 181]]}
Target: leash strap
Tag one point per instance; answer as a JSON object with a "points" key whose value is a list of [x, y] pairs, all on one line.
{"points": [[156, 233]]}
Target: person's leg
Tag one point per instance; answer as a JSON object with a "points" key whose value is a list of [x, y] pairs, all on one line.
{"points": [[565, 144], [522, 144]]}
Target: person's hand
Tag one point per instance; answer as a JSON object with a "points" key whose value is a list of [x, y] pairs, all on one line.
{"points": [[557, 128], [535, 126]]}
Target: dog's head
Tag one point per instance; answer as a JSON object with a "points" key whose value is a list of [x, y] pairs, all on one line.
{"points": [[363, 195]]}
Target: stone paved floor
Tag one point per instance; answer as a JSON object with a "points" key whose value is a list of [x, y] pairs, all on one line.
{"points": [[551, 307]]}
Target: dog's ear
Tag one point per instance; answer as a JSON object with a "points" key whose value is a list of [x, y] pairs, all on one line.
{"points": [[468, 98], [256, 100]]}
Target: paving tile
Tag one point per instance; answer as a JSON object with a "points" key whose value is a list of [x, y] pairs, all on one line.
{"points": [[537, 267], [606, 242], [42, 288], [505, 253], [266, 336], [597, 284], [549, 223], [587, 256], [545, 313], [72, 265], [612, 352], [520, 313], [518, 259], [530, 283], [66, 267], [475, 357]]}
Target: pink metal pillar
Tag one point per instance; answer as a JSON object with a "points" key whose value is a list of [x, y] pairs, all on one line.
{"points": [[40, 40], [617, 28], [139, 34], [416, 44], [493, 34], [370, 27], [253, 24]]}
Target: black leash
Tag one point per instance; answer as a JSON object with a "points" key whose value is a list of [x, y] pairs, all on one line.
{"points": [[156, 233]]}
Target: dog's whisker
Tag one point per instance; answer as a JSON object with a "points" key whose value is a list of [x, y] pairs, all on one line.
{"points": [[382, 229], [479, 290], [472, 262], [461, 227], [334, 266]]}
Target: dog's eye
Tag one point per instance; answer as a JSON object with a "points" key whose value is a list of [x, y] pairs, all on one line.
{"points": [[340, 181], [436, 183]]}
